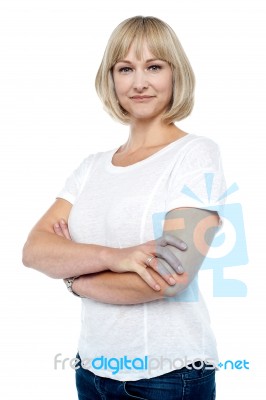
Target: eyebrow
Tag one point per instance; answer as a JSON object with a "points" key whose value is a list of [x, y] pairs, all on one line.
{"points": [[146, 62]]}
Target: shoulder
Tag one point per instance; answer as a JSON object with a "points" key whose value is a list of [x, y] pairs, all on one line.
{"points": [[200, 142], [200, 152], [92, 158]]}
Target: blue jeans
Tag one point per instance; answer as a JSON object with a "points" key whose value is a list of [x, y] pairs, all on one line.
{"points": [[182, 384]]}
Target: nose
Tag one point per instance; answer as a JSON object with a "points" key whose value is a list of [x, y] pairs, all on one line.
{"points": [[140, 81]]}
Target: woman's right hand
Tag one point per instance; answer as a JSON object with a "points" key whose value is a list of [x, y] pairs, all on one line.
{"points": [[136, 259]]}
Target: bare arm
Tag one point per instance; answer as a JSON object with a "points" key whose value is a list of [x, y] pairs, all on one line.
{"points": [[194, 226], [58, 257], [128, 288]]}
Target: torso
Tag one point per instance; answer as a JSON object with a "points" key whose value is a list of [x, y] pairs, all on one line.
{"points": [[119, 208]]}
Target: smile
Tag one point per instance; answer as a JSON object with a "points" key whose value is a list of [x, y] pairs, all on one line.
{"points": [[141, 98]]}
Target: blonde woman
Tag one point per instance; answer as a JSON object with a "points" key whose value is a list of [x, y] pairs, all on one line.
{"points": [[129, 240]]}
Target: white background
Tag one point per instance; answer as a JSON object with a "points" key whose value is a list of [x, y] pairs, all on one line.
{"points": [[51, 119]]}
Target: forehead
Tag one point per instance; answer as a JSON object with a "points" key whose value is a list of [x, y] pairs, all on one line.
{"points": [[139, 51]]}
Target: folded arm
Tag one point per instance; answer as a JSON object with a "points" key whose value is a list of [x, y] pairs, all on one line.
{"points": [[58, 257], [194, 226], [55, 255]]}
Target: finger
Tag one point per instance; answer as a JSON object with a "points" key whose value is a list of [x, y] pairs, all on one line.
{"points": [[172, 240], [57, 229], [167, 255], [166, 272], [64, 228], [146, 276]]}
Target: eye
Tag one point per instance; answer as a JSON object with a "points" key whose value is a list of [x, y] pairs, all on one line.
{"points": [[125, 70], [155, 67]]}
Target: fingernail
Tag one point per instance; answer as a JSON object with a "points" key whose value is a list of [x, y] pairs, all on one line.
{"points": [[62, 221], [183, 246], [56, 225], [180, 269], [157, 287], [172, 281]]}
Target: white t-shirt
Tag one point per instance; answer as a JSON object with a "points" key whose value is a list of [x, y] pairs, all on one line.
{"points": [[120, 207]]}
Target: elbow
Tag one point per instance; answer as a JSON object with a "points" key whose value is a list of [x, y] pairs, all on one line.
{"points": [[31, 259], [27, 255], [30, 253]]}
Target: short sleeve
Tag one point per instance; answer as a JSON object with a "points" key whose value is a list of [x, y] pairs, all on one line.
{"points": [[198, 179], [76, 181]]}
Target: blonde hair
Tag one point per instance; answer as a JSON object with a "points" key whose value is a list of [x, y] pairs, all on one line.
{"points": [[163, 44]]}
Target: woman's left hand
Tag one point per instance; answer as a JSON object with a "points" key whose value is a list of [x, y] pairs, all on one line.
{"points": [[61, 229]]}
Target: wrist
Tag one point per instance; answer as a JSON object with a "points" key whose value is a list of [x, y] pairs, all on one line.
{"points": [[76, 286], [82, 286], [107, 256], [69, 282]]}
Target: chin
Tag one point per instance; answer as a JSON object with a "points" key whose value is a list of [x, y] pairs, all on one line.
{"points": [[145, 115]]}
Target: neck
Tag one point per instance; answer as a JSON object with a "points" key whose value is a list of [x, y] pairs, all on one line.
{"points": [[146, 134]]}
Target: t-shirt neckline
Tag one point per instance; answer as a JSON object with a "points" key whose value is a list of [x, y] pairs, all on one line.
{"points": [[116, 168]]}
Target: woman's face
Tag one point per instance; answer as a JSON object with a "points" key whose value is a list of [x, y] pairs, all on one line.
{"points": [[143, 87]]}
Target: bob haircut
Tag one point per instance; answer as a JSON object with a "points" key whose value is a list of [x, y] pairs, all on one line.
{"points": [[163, 44]]}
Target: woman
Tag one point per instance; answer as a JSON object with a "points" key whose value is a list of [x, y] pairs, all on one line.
{"points": [[140, 222]]}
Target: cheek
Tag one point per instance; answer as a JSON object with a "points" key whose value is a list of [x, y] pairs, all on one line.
{"points": [[166, 86], [120, 86]]}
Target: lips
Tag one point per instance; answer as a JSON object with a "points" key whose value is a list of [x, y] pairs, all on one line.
{"points": [[141, 97]]}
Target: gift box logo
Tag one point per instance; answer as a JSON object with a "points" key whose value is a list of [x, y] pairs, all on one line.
{"points": [[228, 248]]}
